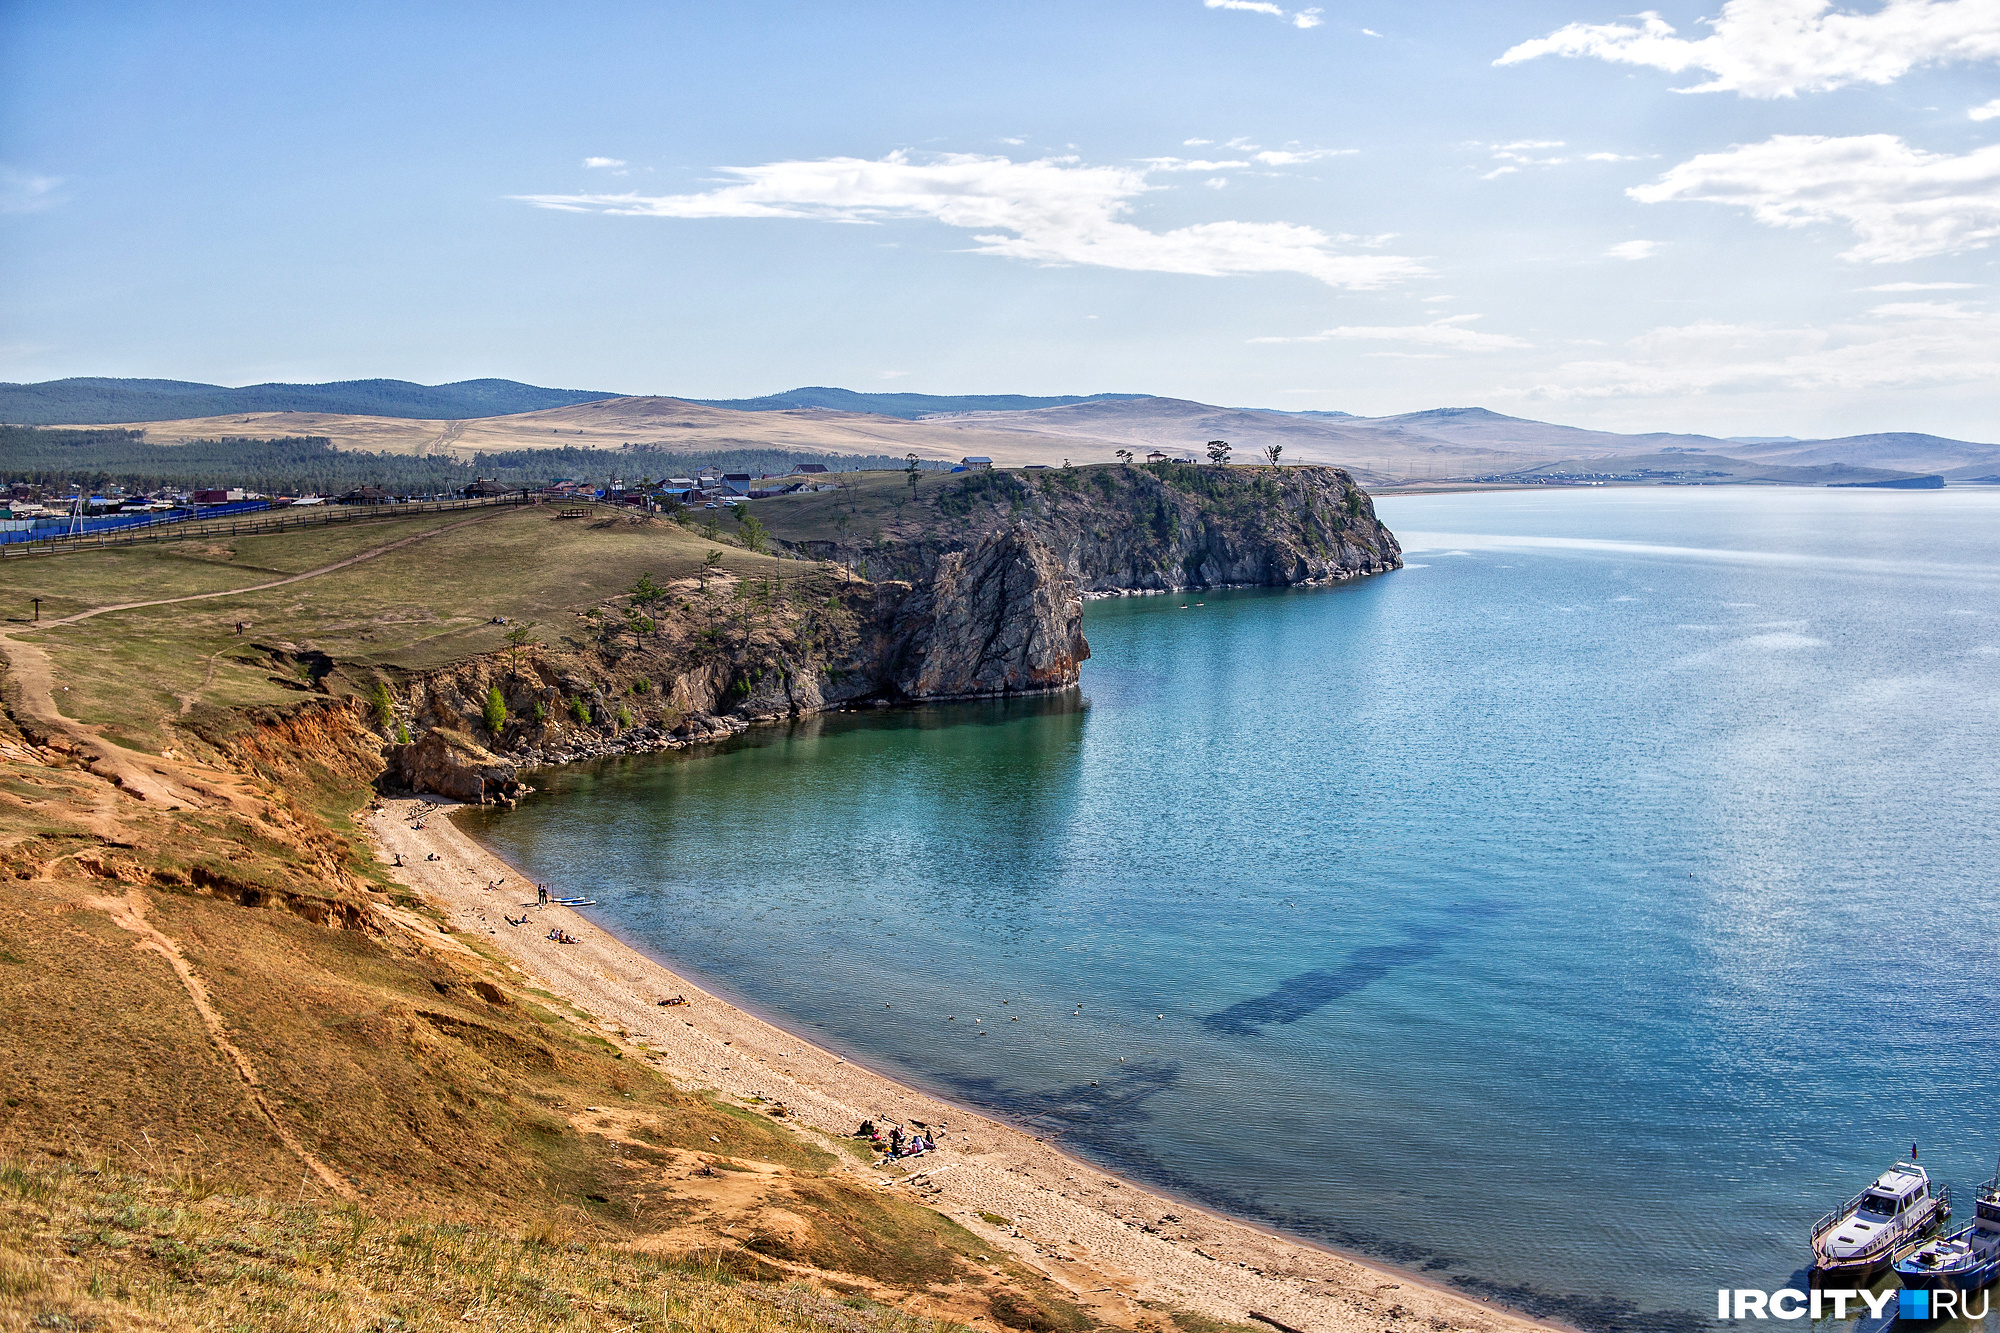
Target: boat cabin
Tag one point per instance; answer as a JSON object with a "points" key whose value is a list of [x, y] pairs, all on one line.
{"points": [[1896, 1192]]}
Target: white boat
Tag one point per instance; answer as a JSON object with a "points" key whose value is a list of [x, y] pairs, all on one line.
{"points": [[1867, 1233]]}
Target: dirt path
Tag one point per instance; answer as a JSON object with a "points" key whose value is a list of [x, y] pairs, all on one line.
{"points": [[1105, 1242], [129, 913], [148, 777]]}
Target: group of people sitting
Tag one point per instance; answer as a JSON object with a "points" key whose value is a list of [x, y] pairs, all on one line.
{"points": [[896, 1143], [562, 936]]}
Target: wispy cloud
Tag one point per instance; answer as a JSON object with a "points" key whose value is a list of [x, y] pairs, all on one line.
{"points": [[1634, 250], [1449, 333], [1298, 18], [595, 162], [1901, 202], [1905, 345], [1051, 211], [27, 192], [1986, 110], [1780, 48]]}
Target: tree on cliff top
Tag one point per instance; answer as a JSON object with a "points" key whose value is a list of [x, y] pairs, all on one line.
{"points": [[1271, 451], [1218, 452]]}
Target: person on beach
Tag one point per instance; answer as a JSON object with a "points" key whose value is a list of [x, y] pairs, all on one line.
{"points": [[541, 895], [896, 1141]]}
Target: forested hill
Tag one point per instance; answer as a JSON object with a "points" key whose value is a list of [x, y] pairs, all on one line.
{"points": [[94, 401]]}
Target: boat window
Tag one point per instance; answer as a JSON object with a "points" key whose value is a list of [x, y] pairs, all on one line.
{"points": [[1878, 1205]]}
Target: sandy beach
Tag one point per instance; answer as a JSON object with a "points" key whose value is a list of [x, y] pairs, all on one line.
{"points": [[1106, 1243]]}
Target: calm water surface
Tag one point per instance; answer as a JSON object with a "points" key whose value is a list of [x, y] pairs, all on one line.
{"points": [[1577, 913]]}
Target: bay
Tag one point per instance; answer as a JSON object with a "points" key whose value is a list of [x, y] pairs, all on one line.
{"points": [[1575, 914]]}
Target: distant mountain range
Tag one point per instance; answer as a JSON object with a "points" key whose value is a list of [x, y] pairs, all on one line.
{"points": [[1441, 444], [98, 402]]}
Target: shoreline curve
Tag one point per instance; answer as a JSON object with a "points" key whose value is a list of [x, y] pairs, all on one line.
{"points": [[1104, 1241]]}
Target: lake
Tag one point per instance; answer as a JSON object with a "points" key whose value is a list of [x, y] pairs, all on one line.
{"points": [[1575, 914]]}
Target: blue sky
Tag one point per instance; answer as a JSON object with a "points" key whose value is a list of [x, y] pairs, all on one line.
{"points": [[1372, 207]]}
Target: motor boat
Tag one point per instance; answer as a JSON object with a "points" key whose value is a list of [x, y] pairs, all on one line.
{"points": [[1868, 1232]]}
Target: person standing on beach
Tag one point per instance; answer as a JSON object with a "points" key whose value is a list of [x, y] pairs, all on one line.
{"points": [[541, 895]]}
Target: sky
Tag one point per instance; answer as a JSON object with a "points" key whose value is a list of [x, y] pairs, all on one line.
{"points": [[1758, 217]]}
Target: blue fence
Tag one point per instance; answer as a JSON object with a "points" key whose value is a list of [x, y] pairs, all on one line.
{"points": [[41, 529]]}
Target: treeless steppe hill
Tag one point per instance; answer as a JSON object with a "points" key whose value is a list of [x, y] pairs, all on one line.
{"points": [[1082, 433], [613, 423]]}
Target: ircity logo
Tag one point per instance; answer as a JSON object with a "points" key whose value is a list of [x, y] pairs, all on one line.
{"points": [[1791, 1303]]}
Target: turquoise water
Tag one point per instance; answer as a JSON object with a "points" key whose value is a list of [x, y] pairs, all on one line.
{"points": [[1575, 914]]}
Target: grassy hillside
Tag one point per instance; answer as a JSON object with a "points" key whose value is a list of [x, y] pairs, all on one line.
{"points": [[268, 1089]]}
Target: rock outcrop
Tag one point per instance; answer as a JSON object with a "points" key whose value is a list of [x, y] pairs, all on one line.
{"points": [[1154, 528], [450, 763], [1001, 618]]}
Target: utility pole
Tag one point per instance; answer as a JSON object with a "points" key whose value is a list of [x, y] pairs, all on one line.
{"points": [[38, 609]]}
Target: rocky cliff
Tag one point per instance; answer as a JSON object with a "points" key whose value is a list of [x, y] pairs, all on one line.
{"points": [[1147, 528], [999, 617], [977, 592]]}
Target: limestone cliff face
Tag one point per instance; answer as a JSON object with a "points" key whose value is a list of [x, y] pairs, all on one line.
{"points": [[1153, 528]]}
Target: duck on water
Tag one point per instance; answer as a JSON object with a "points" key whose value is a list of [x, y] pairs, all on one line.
{"points": [[1965, 1260], [1864, 1235]]}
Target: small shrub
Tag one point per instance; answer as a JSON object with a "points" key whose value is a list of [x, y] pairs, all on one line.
{"points": [[642, 686], [624, 718], [384, 704], [496, 710], [580, 710], [540, 712], [402, 734]]}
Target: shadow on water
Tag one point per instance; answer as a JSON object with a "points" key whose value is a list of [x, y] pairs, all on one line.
{"points": [[1308, 992], [1098, 1120]]}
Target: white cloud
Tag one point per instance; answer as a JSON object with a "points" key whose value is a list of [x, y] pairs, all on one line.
{"points": [[1304, 18], [1216, 182], [1449, 332], [603, 162], [26, 192], [1196, 143], [1014, 141], [1906, 346], [1051, 211], [1370, 32], [1986, 110], [1780, 48], [1189, 164], [1522, 153], [1634, 250], [1281, 157], [1901, 202], [1920, 287]]}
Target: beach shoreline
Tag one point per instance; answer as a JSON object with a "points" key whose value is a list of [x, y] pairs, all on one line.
{"points": [[1104, 1242]]}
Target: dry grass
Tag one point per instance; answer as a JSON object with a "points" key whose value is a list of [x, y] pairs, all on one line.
{"points": [[428, 604], [97, 1248]]}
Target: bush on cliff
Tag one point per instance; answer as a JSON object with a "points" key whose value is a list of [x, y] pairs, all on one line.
{"points": [[496, 710]]}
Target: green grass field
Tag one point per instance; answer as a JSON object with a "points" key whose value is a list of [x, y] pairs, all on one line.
{"points": [[422, 606]]}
